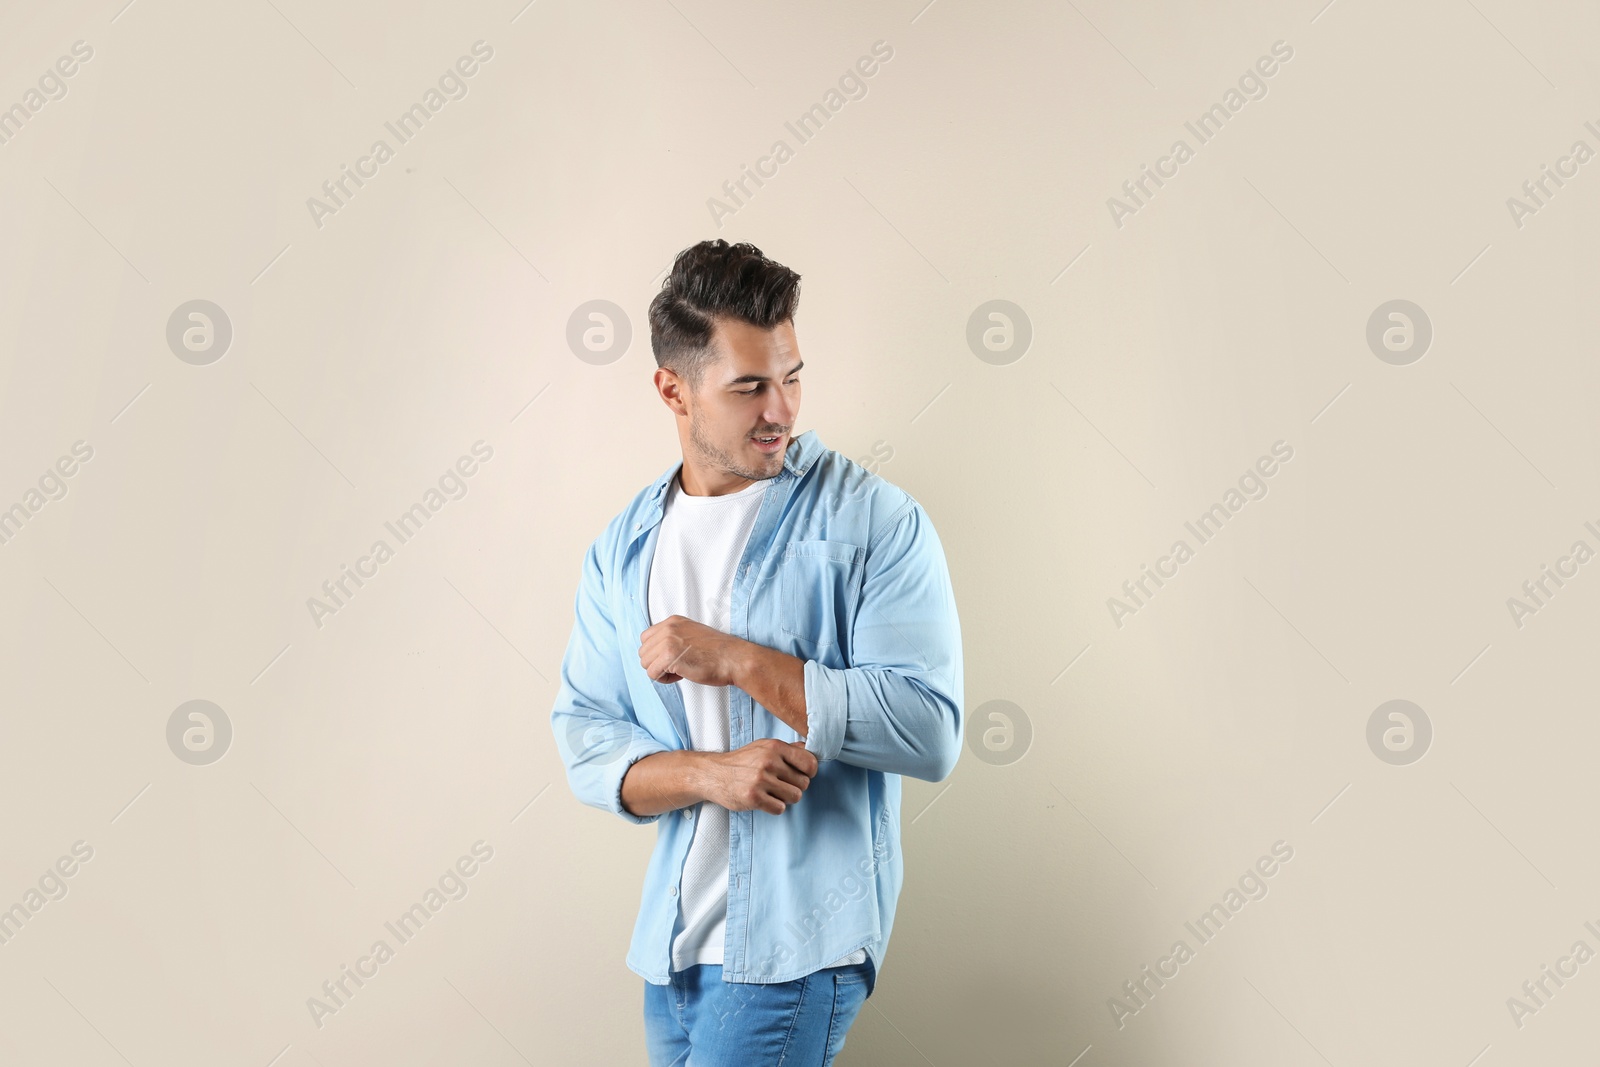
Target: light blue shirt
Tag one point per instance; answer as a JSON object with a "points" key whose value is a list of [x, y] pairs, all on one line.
{"points": [[843, 570]]}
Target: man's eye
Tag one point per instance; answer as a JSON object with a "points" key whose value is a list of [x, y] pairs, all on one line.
{"points": [[757, 389]]}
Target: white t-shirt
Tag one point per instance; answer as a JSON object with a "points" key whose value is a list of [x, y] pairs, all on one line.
{"points": [[691, 574]]}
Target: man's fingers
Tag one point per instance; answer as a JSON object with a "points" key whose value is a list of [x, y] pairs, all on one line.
{"points": [[785, 792], [800, 758], [768, 800], [785, 773]]}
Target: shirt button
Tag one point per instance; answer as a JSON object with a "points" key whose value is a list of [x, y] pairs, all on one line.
{"points": [[688, 813], [672, 891]]}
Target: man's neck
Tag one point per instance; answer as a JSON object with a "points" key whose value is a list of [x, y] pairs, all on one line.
{"points": [[683, 486]]}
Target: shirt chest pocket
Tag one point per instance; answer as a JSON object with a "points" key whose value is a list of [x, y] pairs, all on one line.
{"points": [[819, 587]]}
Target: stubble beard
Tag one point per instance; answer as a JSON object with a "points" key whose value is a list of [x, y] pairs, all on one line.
{"points": [[712, 455]]}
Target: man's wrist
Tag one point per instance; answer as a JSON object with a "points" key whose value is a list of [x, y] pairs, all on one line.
{"points": [[700, 773], [667, 781], [743, 661]]}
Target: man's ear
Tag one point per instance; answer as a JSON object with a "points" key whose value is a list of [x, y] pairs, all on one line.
{"points": [[672, 391]]}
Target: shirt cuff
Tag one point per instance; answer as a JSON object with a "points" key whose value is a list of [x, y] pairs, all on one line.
{"points": [[827, 707]]}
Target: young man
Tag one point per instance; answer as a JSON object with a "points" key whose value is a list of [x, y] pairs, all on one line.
{"points": [[766, 641]]}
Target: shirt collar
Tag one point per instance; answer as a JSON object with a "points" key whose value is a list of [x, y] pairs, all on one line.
{"points": [[797, 459]]}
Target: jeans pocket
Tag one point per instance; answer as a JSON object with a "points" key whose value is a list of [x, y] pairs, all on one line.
{"points": [[849, 993], [851, 973]]}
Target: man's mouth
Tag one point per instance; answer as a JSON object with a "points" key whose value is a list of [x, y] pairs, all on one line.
{"points": [[769, 443]]}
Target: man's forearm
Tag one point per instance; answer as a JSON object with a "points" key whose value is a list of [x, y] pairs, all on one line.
{"points": [[665, 781], [776, 681]]}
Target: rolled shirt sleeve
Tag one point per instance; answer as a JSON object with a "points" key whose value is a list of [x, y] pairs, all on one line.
{"points": [[898, 707], [596, 732]]}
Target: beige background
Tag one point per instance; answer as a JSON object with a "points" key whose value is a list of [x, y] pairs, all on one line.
{"points": [[431, 312]]}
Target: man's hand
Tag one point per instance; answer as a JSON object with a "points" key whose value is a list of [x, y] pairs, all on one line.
{"points": [[677, 647], [765, 775]]}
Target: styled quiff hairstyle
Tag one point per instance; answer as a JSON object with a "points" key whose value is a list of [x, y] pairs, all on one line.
{"points": [[713, 280]]}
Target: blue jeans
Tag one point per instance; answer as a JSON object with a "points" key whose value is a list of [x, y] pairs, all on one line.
{"points": [[698, 1020]]}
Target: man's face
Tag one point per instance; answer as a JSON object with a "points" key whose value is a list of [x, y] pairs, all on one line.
{"points": [[751, 388]]}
